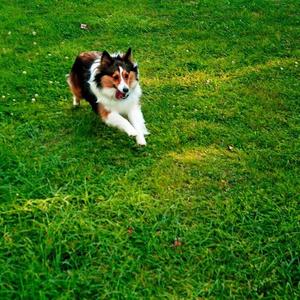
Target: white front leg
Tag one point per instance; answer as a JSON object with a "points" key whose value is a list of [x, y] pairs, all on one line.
{"points": [[116, 120], [136, 118]]}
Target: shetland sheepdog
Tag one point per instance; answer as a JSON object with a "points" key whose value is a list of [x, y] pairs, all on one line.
{"points": [[110, 83]]}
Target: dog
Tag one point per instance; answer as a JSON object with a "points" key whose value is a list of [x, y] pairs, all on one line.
{"points": [[110, 83]]}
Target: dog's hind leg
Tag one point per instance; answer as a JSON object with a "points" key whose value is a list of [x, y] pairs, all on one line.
{"points": [[76, 101], [75, 89]]}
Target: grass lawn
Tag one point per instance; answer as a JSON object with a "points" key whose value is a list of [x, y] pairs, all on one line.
{"points": [[209, 209]]}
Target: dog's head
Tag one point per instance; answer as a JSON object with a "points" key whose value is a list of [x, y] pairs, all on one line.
{"points": [[118, 74]]}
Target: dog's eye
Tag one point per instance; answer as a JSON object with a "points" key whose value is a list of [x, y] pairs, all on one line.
{"points": [[126, 76], [116, 77]]}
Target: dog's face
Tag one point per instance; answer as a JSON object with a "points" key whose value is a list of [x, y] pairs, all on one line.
{"points": [[118, 75]]}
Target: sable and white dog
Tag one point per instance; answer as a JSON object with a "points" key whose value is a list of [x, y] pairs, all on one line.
{"points": [[110, 83]]}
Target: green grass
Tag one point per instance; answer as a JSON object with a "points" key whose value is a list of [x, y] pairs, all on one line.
{"points": [[209, 209]]}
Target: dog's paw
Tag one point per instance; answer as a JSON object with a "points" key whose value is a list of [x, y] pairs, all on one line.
{"points": [[131, 131], [76, 102], [146, 132], [141, 140]]}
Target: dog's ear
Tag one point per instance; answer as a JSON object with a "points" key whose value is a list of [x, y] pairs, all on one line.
{"points": [[128, 55], [106, 59]]}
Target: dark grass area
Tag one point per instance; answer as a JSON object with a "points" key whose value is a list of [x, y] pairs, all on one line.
{"points": [[209, 209]]}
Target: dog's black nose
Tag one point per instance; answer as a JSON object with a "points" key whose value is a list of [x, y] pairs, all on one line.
{"points": [[125, 90]]}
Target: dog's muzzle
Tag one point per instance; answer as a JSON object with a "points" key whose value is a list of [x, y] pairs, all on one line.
{"points": [[120, 95]]}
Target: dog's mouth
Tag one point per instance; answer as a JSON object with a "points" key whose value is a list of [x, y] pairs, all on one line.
{"points": [[121, 95]]}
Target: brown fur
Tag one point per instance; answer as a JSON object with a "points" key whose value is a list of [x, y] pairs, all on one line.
{"points": [[114, 80], [131, 78], [102, 112], [107, 81], [89, 56]]}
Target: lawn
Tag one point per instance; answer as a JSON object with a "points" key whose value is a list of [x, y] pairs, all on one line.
{"points": [[209, 209]]}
